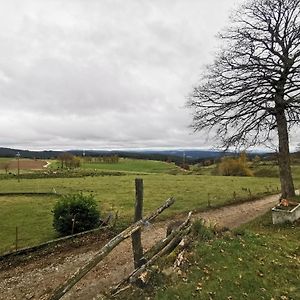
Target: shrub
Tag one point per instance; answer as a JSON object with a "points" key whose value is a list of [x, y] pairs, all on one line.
{"points": [[75, 213], [70, 161], [234, 166]]}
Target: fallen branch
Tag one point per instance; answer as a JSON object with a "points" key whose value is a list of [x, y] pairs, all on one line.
{"points": [[161, 244], [158, 250], [60, 291], [169, 248]]}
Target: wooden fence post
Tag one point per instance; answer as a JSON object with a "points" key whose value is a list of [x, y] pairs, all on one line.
{"points": [[138, 215], [208, 200], [17, 238], [73, 224]]}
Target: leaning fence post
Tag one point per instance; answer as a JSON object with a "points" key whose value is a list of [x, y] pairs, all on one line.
{"points": [[138, 215]]}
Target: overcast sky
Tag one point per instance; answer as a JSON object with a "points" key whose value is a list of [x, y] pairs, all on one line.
{"points": [[103, 73]]}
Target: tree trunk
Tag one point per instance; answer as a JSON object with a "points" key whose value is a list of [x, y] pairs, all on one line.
{"points": [[285, 173]]}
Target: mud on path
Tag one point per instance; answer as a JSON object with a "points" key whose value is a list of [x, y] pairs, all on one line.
{"points": [[36, 278]]}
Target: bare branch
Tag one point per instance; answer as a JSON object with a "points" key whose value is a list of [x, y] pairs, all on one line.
{"points": [[254, 76]]}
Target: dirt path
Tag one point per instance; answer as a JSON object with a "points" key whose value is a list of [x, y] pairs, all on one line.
{"points": [[36, 278]]}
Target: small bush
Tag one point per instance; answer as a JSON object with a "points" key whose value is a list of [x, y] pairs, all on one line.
{"points": [[234, 166], [75, 213]]}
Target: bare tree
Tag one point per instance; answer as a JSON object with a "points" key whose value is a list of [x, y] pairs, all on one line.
{"points": [[69, 161], [253, 86]]}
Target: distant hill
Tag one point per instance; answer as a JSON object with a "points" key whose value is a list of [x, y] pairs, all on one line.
{"points": [[175, 155], [192, 154], [8, 152]]}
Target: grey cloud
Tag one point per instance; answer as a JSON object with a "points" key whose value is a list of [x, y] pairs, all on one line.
{"points": [[97, 74]]}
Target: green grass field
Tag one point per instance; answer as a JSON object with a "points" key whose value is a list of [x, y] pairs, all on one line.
{"points": [[5, 159], [33, 213], [134, 165], [128, 165]]}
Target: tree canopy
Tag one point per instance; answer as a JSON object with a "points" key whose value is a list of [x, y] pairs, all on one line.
{"points": [[255, 72], [253, 86]]}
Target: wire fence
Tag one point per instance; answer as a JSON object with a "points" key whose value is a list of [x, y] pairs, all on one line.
{"points": [[28, 223], [24, 235], [29, 229], [26, 216]]}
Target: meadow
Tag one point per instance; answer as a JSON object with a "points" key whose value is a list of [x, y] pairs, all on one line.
{"points": [[5, 159], [129, 166], [31, 213]]}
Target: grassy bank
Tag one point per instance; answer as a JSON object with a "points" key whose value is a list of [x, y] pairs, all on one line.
{"points": [[257, 261]]}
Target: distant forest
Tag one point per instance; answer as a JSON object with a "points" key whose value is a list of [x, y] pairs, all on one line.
{"points": [[177, 156]]}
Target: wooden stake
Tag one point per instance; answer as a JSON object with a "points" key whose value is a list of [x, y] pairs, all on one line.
{"points": [[73, 225], [138, 215]]}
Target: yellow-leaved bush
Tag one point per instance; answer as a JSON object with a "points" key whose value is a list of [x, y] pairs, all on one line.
{"points": [[230, 166]]}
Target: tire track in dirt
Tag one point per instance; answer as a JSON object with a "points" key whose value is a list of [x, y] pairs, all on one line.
{"points": [[36, 279]]}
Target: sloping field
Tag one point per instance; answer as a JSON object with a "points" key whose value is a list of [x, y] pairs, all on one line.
{"points": [[134, 165]]}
